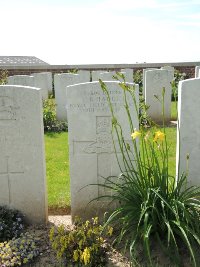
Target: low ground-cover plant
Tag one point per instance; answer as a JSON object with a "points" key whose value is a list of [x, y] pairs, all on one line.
{"points": [[51, 124], [152, 204], [11, 223], [18, 251], [82, 246]]}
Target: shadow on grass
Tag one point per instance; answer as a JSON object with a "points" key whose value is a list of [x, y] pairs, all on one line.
{"points": [[53, 134]]}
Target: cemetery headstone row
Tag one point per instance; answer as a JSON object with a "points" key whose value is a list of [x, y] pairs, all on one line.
{"points": [[61, 81], [40, 80]]}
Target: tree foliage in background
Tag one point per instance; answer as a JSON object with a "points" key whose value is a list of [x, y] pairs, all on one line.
{"points": [[178, 76], [138, 78], [3, 76]]}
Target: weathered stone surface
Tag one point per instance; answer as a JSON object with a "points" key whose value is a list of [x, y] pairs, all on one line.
{"points": [[43, 80], [22, 161], [188, 142], [170, 69], [144, 78], [95, 74], [155, 80], [85, 75], [40, 81], [24, 80], [108, 75], [128, 73], [61, 81], [91, 148]]}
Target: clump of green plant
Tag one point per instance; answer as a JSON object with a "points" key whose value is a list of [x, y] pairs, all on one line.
{"points": [[138, 78], [11, 223], [152, 205], [3, 76], [178, 76], [51, 124], [18, 251], [82, 246]]}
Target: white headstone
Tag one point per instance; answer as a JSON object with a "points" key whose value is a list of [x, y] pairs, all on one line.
{"points": [[197, 71], [128, 73], [107, 76], [155, 80], [90, 143], [95, 75], [85, 75], [170, 69], [188, 141], [144, 78], [24, 80], [22, 160], [43, 80], [61, 81]]}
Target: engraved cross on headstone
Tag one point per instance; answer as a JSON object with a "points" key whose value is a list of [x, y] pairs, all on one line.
{"points": [[102, 146], [7, 169]]}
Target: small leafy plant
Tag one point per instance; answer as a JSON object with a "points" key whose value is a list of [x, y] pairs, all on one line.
{"points": [[18, 251], [82, 246], [11, 223], [51, 124], [152, 204]]}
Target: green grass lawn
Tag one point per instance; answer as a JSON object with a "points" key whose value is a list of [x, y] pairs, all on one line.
{"points": [[171, 141], [174, 110], [57, 164], [57, 168]]}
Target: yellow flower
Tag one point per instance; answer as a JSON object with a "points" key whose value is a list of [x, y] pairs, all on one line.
{"points": [[159, 136], [135, 134], [86, 256]]}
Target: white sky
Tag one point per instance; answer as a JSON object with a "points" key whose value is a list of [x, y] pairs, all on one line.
{"points": [[101, 31]]}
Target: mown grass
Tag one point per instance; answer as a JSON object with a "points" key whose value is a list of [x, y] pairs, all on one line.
{"points": [[173, 110], [57, 164], [57, 169]]}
